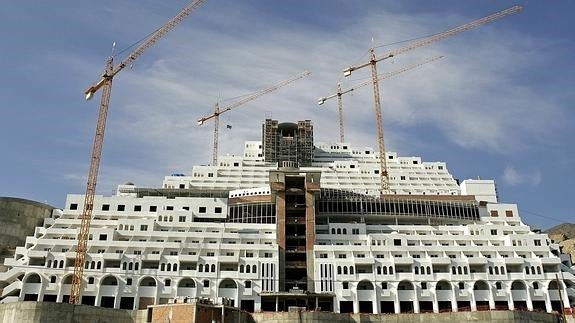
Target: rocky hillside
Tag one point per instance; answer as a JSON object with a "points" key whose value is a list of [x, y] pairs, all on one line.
{"points": [[564, 234]]}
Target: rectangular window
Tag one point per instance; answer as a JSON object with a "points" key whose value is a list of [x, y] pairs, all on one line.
{"points": [[383, 285], [423, 285], [144, 227], [397, 242], [153, 208], [249, 254], [248, 284], [210, 174], [537, 243], [137, 208], [493, 232], [103, 237], [121, 207], [167, 282], [218, 210], [323, 255], [345, 285], [169, 208], [129, 281], [341, 256], [509, 213], [105, 207], [494, 213], [206, 283], [182, 185], [202, 209], [74, 206], [210, 254], [182, 218]]}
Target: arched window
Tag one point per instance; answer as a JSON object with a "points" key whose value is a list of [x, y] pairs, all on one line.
{"points": [[248, 268], [422, 269], [496, 270], [379, 270], [201, 268], [490, 270], [429, 270], [332, 231], [416, 269], [214, 268], [175, 268], [130, 266], [344, 231], [351, 270], [207, 268], [538, 270], [533, 270], [339, 270], [136, 266], [465, 270], [99, 265], [163, 267], [241, 268], [453, 270], [459, 270], [62, 264], [345, 270], [49, 263], [385, 270], [123, 266], [390, 270], [169, 267], [338, 231], [502, 270]]}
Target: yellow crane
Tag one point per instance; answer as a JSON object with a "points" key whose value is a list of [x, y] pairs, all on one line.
{"points": [[384, 185], [219, 110], [385, 76], [105, 83]]}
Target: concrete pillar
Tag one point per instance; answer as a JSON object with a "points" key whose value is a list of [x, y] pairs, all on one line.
{"points": [[472, 299], [529, 299], [510, 300], [548, 306], [396, 302], [277, 304], [434, 300], [416, 308], [492, 300]]}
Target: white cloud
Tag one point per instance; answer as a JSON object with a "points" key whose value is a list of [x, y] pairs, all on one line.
{"points": [[512, 177], [472, 96]]}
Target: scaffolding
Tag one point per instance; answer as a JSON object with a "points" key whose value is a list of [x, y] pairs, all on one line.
{"points": [[288, 142]]}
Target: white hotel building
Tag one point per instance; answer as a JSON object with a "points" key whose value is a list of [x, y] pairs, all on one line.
{"points": [[293, 223]]}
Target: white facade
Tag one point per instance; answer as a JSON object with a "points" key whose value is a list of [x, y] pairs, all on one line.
{"points": [[147, 249]]}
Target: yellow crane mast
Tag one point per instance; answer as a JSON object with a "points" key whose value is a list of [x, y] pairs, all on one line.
{"points": [[385, 76], [218, 110], [384, 185], [106, 84]]}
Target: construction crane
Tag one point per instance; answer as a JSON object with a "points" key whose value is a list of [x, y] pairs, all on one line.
{"points": [[385, 76], [105, 83], [384, 184], [219, 110]]}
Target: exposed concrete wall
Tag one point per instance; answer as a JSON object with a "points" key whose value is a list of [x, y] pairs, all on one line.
{"points": [[33, 312], [457, 317], [18, 218], [36, 312]]}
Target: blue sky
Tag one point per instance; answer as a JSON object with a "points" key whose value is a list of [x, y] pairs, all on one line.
{"points": [[499, 106]]}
